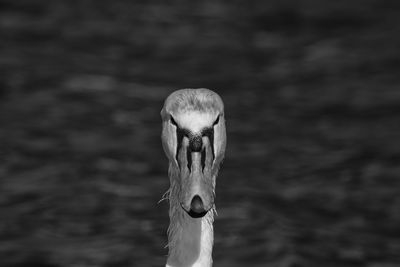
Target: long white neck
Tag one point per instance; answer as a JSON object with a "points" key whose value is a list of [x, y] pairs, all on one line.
{"points": [[190, 240]]}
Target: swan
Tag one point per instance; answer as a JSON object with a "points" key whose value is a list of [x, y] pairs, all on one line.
{"points": [[194, 140]]}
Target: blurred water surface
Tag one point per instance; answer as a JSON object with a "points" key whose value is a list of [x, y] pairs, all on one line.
{"points": [[311, 88]]}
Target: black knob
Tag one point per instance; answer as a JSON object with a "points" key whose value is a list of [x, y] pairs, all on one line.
{"points": [[195, 143]]}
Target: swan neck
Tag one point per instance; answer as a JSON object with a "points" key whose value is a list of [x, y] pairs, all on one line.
{"points": [[190, 240]]}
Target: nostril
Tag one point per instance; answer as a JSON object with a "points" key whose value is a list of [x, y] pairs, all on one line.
{"points": [[197, 205], [195, 143]]}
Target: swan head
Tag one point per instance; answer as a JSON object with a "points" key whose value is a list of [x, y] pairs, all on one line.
{"points": [[194, 140]]}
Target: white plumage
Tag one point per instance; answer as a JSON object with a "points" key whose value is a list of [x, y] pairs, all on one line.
{"points": [[191, 116]]}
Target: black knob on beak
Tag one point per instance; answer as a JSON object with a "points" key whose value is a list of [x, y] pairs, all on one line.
{"points": [[197, 208], [195, 143]]}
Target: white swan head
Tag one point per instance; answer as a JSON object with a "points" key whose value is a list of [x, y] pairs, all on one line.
{"points": [[194, 140]]}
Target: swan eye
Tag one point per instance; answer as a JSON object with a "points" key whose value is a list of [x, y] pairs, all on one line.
{"points": [[216, 121], [173, 121]]}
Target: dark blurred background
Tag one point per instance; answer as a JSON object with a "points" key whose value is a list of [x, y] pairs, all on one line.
{"points": [[311, 89]]}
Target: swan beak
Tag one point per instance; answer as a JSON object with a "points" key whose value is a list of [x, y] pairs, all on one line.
{"points": [[195, 160]]}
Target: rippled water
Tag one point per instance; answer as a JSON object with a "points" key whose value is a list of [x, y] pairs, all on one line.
{"points": [[312, 106]]}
